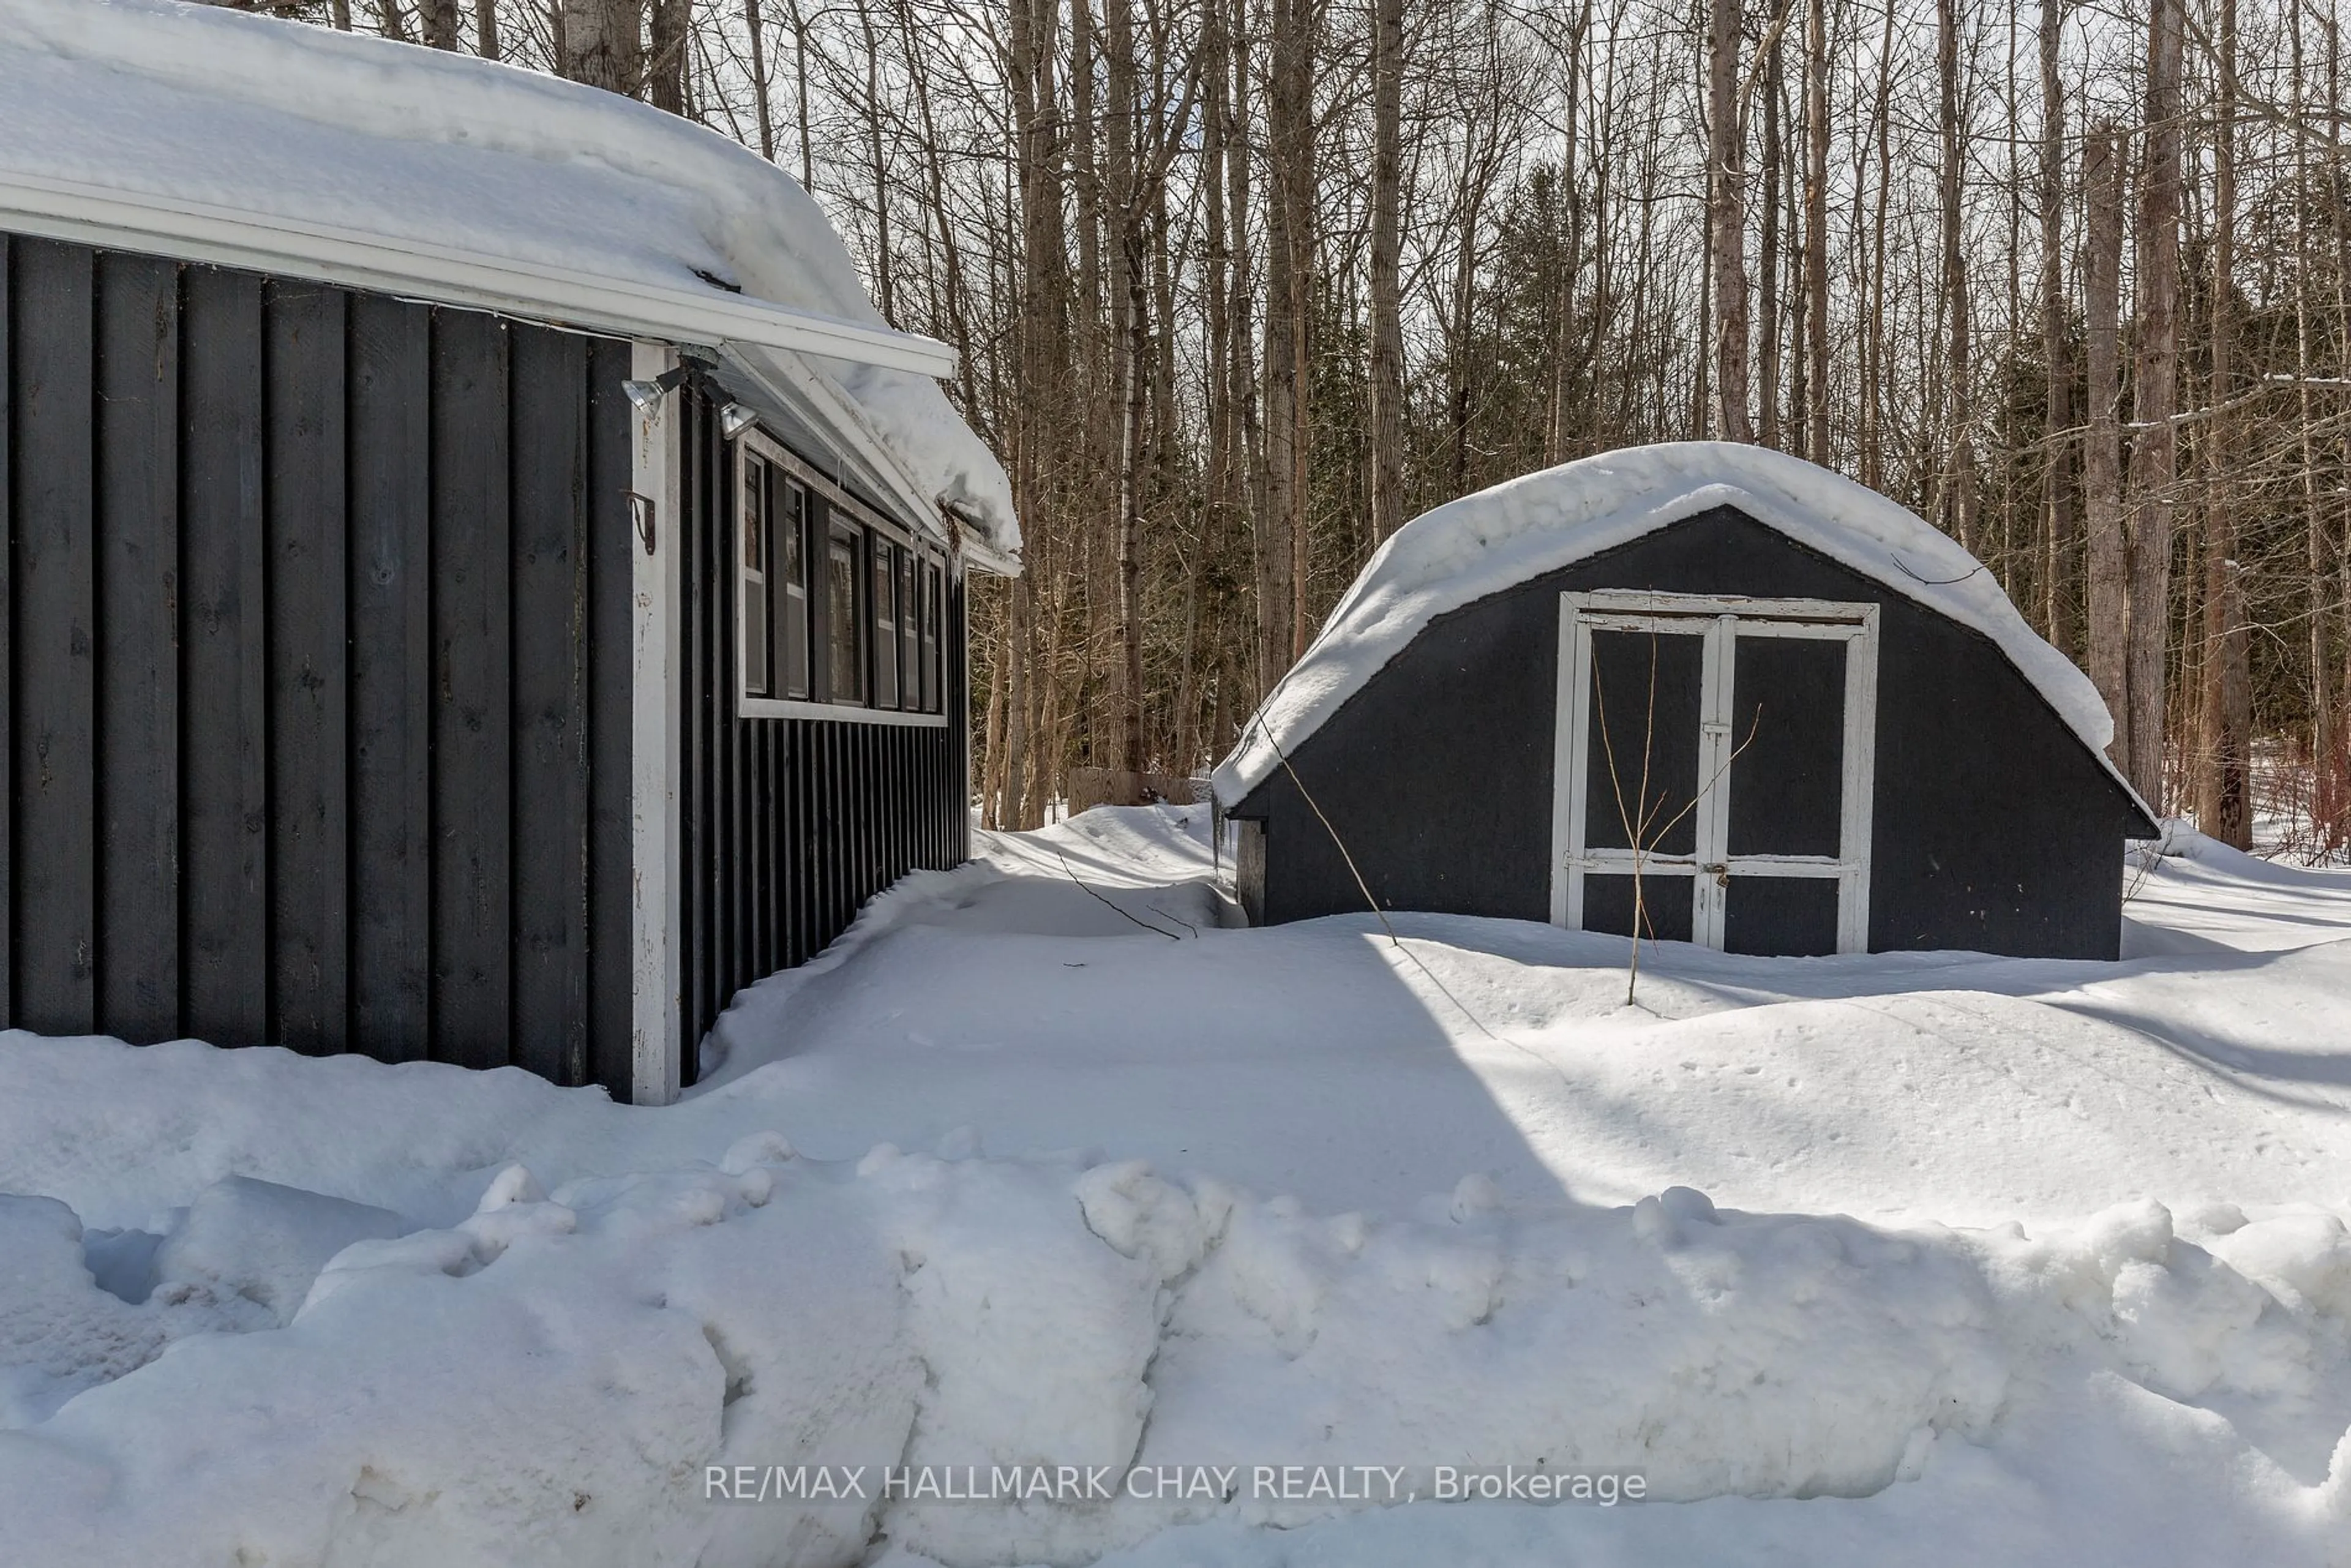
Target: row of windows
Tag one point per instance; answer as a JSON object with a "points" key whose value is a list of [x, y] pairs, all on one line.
{"points": [[830, 610]]}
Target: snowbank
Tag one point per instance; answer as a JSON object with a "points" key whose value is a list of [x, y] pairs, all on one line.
{"points": [[415, 146], [1481, 544], [558, 1377]]}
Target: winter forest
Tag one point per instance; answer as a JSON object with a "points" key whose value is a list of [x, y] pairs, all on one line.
{"points": [[1240, 285]]}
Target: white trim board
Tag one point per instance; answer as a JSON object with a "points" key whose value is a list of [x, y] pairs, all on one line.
{"points": [[68, 209], [1719, 621], [657, 1013]]}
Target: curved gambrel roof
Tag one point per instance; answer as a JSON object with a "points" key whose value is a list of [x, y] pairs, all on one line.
{"points": [[1483, 544]]}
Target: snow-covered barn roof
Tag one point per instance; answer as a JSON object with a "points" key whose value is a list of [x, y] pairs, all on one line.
{"points": [[200, 132], [1480, 545]]}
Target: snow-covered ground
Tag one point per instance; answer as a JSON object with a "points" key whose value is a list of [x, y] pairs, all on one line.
{"points": [[1916, 1257]]}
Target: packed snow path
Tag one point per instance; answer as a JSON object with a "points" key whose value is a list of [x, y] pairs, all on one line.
{"points": [[1918, 1258], [1349, 1067]]}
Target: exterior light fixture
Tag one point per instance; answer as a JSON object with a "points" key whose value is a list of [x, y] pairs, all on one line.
{"points": [[647, 396], [735, 419]]}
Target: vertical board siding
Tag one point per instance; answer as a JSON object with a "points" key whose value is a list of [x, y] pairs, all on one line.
{"points": [[549, 567], [138, 699], [316, 613], [391, 571], [304, 540], [473, 799], [56, 937], [315, 617], [224, 738], [791, 824]]}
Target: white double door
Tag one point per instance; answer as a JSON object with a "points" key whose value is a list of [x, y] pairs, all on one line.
{"points": [[1713, 771]]}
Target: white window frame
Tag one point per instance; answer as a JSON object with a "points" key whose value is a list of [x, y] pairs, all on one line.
{"points": [[817, 562], [878, 567], [746, 575], [1719, 619]]}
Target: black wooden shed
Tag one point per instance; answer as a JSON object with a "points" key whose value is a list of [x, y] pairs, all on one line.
{"points": [[480, 588], [1780, 712]]}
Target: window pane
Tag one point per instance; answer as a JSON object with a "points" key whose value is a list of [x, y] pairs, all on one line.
{"points": [[791, 550], [1664, 901], [1641, 759], [845, 651], [885, 624], [788, 515], [755, 637], [934, 680], [910, 661], [752, 628], [755, 517]]}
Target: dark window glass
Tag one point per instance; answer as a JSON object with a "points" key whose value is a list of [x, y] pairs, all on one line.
{"points": [[752, 625], [789, 531], [844, 625], [909, 631], [1641, 769], [1667, 913], [885, 623], [1787, 781], [1781, 916], [934, 678]]}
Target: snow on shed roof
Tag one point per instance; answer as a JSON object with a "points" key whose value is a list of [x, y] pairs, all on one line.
{"points": [[1480, 545], [196, 131]]}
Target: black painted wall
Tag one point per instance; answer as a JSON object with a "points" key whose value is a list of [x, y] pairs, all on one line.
{"points": [[315, 623], [791, 823], [1994, 828]]}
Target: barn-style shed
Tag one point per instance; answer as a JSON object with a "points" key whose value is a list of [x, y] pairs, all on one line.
{"points": [[482, 582], [1776, 710]]}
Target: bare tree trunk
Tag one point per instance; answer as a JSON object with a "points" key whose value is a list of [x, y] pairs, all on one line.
{"points": [[1223, 459], [2056, 494], [1727, 171], [877, 169], [666, 56], [1021, 653], [2102, 488], [1563, 368], [2328, 798], [1288, 156], [1129, 325], [1816, 224], [2224, 794], [1962, 489], [600, 43], [1873, 400], [2155, 451], [1767, 261], [438, 19], [2335, 760], [1007, 671], [755, 29], [1249, 466], [1386, 390], [799, 25]]}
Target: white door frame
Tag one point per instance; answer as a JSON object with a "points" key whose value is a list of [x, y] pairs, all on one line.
{"points": [[1719, 619]]}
